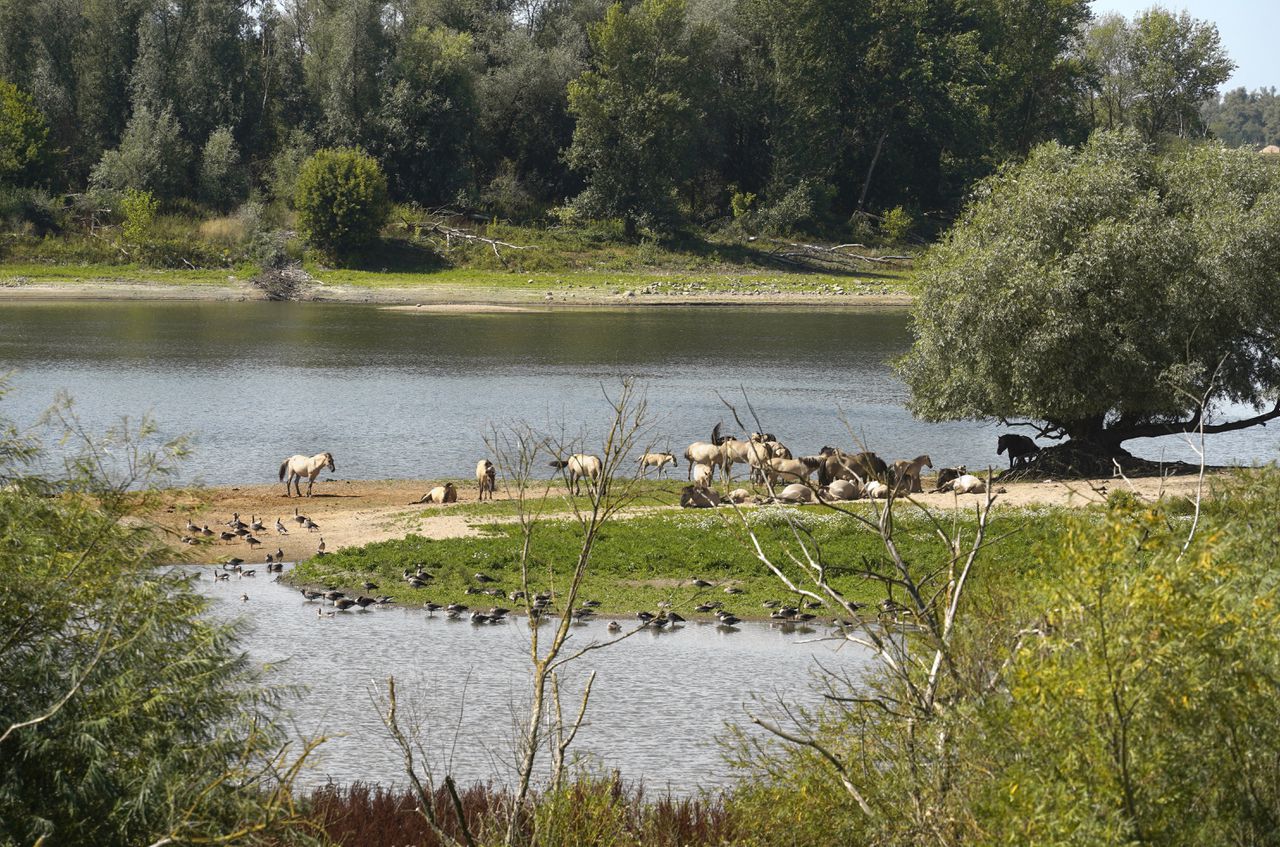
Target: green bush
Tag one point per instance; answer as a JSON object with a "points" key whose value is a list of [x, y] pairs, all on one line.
{"points": [[139, 210], [222, 178], [128, 714], [23, 132], [895, 225], [342, 201], [151, 157]]}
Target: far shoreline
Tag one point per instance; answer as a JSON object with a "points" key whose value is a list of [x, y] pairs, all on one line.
{"points": [[441, 297]]}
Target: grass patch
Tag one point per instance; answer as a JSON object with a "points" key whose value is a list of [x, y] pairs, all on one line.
{"points": [[38, 273], [641, 561]]}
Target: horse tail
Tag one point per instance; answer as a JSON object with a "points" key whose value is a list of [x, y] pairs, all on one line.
{"points": [[284, 466]]}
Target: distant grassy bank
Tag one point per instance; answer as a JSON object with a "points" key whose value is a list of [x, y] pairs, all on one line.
{"points": [[221, 259]]}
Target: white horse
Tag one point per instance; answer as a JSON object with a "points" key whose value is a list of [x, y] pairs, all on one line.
{"points": [[309, 466], [658, 460], [580, 466]]}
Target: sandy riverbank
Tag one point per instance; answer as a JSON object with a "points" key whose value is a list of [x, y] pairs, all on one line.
{"points": [[438, 297], [356, 512]]}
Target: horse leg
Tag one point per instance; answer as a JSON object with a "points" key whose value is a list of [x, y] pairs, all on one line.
{"points": [[311, 480], [286, 487]]}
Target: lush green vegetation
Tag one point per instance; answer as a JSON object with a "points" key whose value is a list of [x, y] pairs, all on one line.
{"points": [[676, 121], [1108, 292], [639, 562], [126, 716], [341, 198], [1242, 117]]}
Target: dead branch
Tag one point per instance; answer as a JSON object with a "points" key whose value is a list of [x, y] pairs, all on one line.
{"points": [[840, 255]]}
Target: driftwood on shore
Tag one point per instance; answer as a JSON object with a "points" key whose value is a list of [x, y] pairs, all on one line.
{"points": [[839, 256]]}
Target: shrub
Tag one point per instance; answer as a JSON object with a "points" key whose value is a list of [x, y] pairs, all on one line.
{"points": [[151, 157], [286, 165], [895, 225], [139, 210], [222, 182], [341, 200], [23, 132], [801, 207]]}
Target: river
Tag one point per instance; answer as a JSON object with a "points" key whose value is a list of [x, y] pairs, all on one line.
{"points": [[395, 394]]}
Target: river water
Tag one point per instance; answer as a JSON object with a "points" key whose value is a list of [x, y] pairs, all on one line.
{"points": [[412, 394], [659, 705]]}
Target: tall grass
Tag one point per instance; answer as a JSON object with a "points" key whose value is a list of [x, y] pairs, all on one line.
{"points": [[604, 811]]}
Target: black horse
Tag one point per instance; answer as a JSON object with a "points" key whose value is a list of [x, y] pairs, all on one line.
{"points": [[1020, 448]]}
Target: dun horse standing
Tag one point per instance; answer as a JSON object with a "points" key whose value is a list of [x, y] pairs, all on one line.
{"points": [[309, 466]]}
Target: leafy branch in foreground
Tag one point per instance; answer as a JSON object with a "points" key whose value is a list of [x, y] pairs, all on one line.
{"points": [[127, 716]]}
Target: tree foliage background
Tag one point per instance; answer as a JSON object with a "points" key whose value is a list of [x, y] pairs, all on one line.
{"points": [[657, 110]]}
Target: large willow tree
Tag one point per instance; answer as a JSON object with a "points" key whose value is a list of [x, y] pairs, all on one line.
{"points": [[1106, 294]]}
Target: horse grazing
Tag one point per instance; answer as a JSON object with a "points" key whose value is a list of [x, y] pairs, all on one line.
{"points": [[1020, 447], [309, 466], [578, 466], [658, 460], [486, 478]]}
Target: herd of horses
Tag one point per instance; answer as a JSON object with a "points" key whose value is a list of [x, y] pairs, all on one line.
{"points": [[840, 475]]}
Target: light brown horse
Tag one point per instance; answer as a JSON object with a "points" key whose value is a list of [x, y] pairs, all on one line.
{"points": [[309, 466]]}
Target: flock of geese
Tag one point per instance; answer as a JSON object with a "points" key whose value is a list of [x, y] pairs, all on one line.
{"points": [[238, 530], [542, 606]]}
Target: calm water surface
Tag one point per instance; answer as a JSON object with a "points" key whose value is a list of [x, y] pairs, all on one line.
{"points": [[408, 395], [658, 706]]}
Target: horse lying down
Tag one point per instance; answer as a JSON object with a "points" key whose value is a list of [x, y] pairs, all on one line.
{"points": [[447, 493]]}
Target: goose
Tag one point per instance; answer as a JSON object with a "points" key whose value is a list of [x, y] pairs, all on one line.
{"points": [[645, 616], [235, 562], [187, 539], [708, 607], [614, 626], [414, 582], [221, 576], [431, 608], [483, 577], [244, 598], [580, 614], [310, 524], [279, 554], [241, 531], [479, 617], [235, 522], [333, 596], [320, 549], [456, 608], [298, 519], [701, 583], [365, 602], [771, 604], [206, 532], [227, 536], [733, 590], [249, 572], [310, 595], [729, 621], [252, 542], [280, 530], [321, 613], [369, 586], [344, 603], [674, 618], [591, 604], [192, 527], [271, 560], [499, 612]]}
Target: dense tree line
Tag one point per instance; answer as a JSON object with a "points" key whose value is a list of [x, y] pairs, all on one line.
{"points": [[1245, 118], [655, 112]]}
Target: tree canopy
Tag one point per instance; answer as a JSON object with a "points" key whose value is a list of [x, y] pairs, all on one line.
{"points": [[1101, 292]]}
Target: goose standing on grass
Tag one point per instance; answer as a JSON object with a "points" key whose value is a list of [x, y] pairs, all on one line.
{"points": [[206, 532], [192, 527]]}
